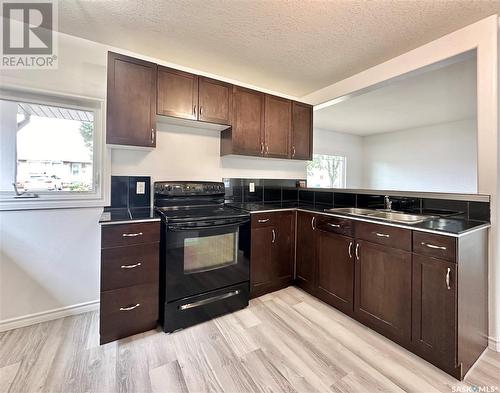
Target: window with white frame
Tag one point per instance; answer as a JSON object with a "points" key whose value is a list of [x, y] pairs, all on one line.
{"points": [[49, 148], [326, 171]]}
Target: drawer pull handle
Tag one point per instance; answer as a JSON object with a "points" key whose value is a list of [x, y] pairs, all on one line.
{"points": [[313, 223], [212, 299], [129, 307], [448, 278], [357, 251], [263, 221], [131, 266], [132, 234], [274, 236], [433, 246], [350, 250], [382, 234], [334, 225]]}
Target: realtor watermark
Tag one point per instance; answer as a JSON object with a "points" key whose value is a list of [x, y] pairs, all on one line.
{"points": [[29, 38], [474, 389]]}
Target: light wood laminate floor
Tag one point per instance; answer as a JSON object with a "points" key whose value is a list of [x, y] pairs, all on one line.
{"points": [[286, 341]]}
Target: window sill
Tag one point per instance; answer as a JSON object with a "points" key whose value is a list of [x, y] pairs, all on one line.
{"points": [[12, 204]]}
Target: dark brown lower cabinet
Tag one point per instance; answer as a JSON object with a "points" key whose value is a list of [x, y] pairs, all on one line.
{"points": [[434, 316], [305, 256], [271, 261], [335, 270], [383, 289]]}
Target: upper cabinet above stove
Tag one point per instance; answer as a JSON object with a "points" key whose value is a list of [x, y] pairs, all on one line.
{"points": [[253, 123]]}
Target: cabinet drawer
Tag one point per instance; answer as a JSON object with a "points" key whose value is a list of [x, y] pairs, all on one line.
{"points": [[437, 246], [132, 265], [385, 235], [268, 219], [341, 226], [128, 234], [128, 311]]}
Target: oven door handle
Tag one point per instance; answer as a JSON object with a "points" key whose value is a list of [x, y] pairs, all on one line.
{"points": [[176, 228]]}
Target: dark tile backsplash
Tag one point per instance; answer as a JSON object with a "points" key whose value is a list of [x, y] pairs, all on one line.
{"points": [[284, 190], [124, 195]]}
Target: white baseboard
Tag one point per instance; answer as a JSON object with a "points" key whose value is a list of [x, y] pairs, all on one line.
{"points": [[494, 344], [31, 319]]}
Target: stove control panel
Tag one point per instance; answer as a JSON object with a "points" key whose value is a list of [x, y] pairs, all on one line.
{"points": [[168, 188]]}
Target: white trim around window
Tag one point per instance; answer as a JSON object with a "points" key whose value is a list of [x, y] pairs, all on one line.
{"points": [[96, 198]]}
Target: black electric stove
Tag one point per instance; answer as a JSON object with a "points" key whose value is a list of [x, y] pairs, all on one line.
{"points": [[205, 253]]}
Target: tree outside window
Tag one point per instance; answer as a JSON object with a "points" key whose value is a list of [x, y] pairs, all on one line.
{"points": [[326, 171]]}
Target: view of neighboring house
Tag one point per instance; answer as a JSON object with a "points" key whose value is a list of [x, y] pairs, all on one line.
{"points": [[54, 148]]}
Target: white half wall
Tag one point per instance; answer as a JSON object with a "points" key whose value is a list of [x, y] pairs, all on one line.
{"points": [[437, 158]]}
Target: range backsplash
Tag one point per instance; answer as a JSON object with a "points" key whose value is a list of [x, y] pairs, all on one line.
{"points": [[278, 191]]}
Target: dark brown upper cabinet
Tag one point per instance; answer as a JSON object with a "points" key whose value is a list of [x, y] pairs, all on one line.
{"points": [[177, 94], [215, 101], [247, 132], [301, 139], [277, 123], [131, 101]]}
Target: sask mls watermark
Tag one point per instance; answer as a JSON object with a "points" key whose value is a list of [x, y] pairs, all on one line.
{"points": [[29, 38]]}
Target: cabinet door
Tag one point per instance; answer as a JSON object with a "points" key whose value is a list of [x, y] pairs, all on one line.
{"points": [[215, 100], [278, 114], [261, 273], [383, 289], [434, 309], [131, 101], [282, 243], [306, 251], [248, 122], [336, 270], [302, 131], [177, 93]]}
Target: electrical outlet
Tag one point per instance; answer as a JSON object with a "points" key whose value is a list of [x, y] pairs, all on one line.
{"points": [[140, 187], [251, 187]]}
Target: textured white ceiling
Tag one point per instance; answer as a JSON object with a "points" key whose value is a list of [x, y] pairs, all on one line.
{"points": [[293, 47], [438, 96]]}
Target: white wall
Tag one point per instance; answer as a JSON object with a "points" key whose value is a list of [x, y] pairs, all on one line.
{"points": [[348, 145], [437, 158], [49, 259]]}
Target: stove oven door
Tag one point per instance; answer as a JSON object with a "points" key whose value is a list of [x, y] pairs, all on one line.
{"points": [[204, 256]]}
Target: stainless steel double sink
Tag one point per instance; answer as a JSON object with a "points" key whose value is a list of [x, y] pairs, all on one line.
{"points": [[385, 215]]}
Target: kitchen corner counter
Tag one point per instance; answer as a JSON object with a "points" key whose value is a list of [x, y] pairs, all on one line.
{"points": [[128, 215], [455, 227]]}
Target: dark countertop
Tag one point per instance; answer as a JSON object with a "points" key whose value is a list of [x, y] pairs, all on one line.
{"points": [[125, 215], [444, 226]]}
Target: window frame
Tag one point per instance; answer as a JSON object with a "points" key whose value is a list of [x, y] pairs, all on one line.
{"points": [[64, 199], [344, 169]]}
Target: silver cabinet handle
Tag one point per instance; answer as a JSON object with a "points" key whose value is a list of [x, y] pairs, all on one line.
{"points": [[209, 300], [267, 148], [357, 251], [293, 151], [274, 236], [194, 110], [261, 147], [433, 246], [201, 110], [264, 220], [129, 307], [313, 223], [130, 266], [350, 250], [132, 234], [152, 135], [448, 278], [334, 225], [382, 234]]}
